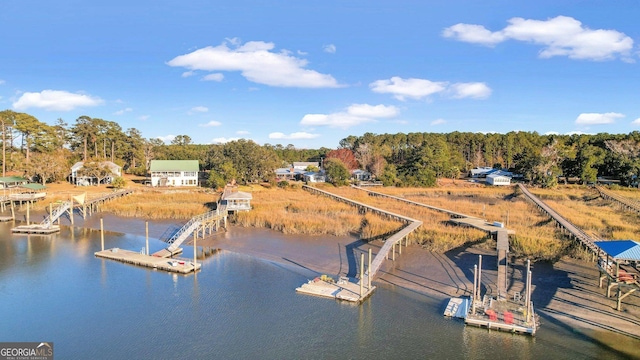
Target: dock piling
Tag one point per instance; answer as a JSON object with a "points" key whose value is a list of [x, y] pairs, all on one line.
{"points": [[102, 234]]}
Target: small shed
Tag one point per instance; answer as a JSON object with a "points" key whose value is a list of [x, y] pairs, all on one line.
{"points": [[498, 180], [235, 200]]}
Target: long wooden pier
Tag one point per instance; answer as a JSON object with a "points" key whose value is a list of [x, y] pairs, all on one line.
{"points": [[573, 231], [390, 243], [456, 217], [47, 226], [626, 203]]}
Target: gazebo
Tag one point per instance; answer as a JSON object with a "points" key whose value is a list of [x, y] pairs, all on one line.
{"points": [[620, 267]]}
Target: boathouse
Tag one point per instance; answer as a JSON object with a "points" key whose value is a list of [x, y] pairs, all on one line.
{"points": [[235, 200], [12, 181], [620, 267], [174, 172]]}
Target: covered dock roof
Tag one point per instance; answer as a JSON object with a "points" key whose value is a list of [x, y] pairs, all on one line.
{"points": [[621, 249]]}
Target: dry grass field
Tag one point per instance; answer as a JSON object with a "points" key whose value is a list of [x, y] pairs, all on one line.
{"points": [[295, 211]]}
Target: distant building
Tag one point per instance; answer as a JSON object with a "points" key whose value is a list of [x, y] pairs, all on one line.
{"points": [[314, 177], [174, 172], [305, 165], [12, 181], [77, 178], [498, 180], [360, 175], [480, 172]]}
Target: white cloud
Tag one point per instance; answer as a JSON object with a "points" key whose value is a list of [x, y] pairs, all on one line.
{"points": [[256, 61], [598, 119], [2, 81], [475, 90], [55, 100], [411, 88], [223, 140], [199, 109], [167, 139], [213, 77], [188, 74], [331, 49], [438, 122], [636, 122], [292, 136], [578, 133], [422, 88], [559, 36], [242, 132], [211, 123], [355, 114], [121, 112], [552, 133], [144, 117]]}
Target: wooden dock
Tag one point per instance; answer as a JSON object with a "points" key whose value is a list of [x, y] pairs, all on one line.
{"points": [[36, 229], [181, 266], [344, 289], [6, 218]]}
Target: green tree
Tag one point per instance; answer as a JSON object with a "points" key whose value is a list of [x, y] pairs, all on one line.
{"points": [[119, 182], [337, 172]]}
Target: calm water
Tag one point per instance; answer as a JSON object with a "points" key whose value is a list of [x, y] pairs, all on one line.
{"points": [[237, 307]]}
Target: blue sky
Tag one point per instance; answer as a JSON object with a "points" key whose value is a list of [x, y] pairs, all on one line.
{"points": [[310, 73]]}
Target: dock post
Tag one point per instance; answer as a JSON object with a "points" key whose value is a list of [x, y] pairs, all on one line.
{"points": [[102, 234], [28, 214], [479, 275], [475, 279], [146, 233], [195, 251], [361, 273], [13, 213], [393, 252], [369, 270], [400, 247], [71, 208]]}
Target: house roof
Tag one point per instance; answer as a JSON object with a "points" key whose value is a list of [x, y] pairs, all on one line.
{"points": [[33, 186], [621, 249], [111, 165], [12, 179], [237, 195], [174, 165], [493, 176]]}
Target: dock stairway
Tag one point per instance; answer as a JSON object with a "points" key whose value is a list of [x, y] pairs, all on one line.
{"points": [[205, 221], [55, 214]]}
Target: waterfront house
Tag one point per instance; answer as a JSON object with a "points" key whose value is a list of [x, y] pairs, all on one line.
{"points": [[174, 172], [314, 177], [82, 178]]}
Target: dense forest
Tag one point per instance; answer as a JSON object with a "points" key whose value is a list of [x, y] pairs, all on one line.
{"points": [[45, 153]]}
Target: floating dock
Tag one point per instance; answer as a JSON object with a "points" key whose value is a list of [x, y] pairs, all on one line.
{"points": [[343, 289], [181, 266], [503, 315], [6, 218], [36, 229]]}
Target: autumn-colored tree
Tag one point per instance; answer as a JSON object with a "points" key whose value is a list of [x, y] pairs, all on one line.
{"points": [[346, 156]]}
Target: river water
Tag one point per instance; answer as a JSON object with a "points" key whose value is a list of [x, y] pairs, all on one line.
{"points": [[52, 288]]}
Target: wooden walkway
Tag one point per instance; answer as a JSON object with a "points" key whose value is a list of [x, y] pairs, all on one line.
{"points": [[626, 203], [456, 217], [390, 242], [573, 231], [47, 225]]}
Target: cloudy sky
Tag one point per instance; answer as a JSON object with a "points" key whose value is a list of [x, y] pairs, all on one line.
{"points": [[310, 73]]}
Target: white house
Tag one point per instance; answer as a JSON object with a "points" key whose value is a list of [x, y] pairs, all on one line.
{"points": [[174, 172], [314, 177], [480, 171], [498, 180], [77, 178], [361, 175]]}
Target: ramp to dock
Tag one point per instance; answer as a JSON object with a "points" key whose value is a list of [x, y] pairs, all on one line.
{"points": [[202, 222]]}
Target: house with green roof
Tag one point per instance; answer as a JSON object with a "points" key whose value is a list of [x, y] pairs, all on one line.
{"points": [[174, 172]]}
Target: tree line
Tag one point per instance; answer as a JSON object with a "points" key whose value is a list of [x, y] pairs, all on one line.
{"points": [[45, 153]]}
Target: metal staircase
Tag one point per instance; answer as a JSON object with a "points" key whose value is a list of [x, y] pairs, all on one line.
{"points": [[55, 214]]}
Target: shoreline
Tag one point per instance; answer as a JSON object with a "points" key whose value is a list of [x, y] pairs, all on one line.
{"points": [[565, 293]]}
